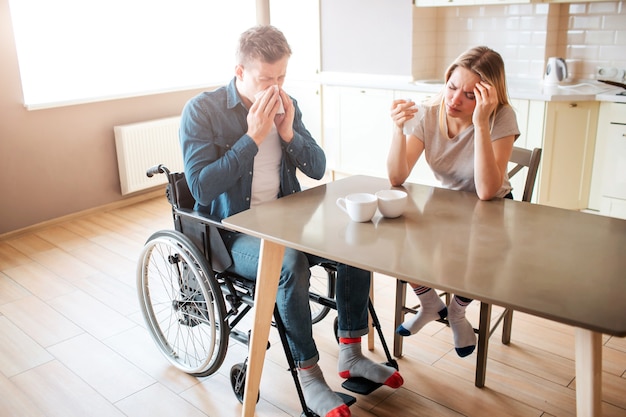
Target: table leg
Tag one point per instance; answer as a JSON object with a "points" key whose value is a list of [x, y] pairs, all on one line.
{"points": [[588, 373], [270, 263], [370, 333], [483, 344], [399, 316]]}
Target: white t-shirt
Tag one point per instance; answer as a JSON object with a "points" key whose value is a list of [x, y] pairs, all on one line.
{"points": [[452, 160], [266, 176]]}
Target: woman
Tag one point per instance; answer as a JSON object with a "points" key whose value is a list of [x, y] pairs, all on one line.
{"points": [[467, 136]]}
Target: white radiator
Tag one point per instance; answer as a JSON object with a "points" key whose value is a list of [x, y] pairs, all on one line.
{"points": [[142, 145]]}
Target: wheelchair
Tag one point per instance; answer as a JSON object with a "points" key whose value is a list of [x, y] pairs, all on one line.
{"points": [[191, 305]]}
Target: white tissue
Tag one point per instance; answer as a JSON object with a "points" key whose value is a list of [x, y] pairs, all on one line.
{"points": [[281, 108], [412, 123]]}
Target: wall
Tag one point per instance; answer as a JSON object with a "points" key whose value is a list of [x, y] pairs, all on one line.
{"points": [[62, 160], [594, 34], [366, 36], [586, 34]]}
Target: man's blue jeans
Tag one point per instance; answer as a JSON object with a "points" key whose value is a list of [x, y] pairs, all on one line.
{"points": [[292, 299]]}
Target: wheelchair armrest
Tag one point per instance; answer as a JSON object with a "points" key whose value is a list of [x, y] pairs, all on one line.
{"points": [[203, 218], [219, 256]]}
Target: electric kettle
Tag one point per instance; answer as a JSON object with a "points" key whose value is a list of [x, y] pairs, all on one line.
{"points": [[556, 71]]}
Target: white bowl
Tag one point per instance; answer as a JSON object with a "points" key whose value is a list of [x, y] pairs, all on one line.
{"points": [[392, 203]]}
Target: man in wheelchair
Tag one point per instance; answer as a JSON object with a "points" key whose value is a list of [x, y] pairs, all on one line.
{"points": [[242, 144]]}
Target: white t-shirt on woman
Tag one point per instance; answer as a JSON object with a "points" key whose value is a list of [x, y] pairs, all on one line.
{"points": [[452, 160]]}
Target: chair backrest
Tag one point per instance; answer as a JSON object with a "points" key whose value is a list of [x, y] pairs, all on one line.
{"points": [[178, 193], [526, 158]]}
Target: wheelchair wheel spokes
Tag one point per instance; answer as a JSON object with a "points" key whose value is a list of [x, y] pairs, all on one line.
{"points": [[182, 303], [322, 283]]}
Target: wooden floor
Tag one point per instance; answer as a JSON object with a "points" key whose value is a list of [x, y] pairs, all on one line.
{"points": [[72, 343]]}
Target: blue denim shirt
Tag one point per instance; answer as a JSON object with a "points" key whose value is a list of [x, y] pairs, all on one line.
{"points": [[219, 155]]}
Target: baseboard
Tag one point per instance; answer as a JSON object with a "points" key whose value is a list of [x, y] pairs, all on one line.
{"points": [[154, 193]]}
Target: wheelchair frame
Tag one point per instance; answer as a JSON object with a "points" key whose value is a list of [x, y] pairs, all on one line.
{"points": [[191, 310]]}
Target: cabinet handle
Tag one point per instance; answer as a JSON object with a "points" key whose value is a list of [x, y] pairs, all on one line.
{"points": [[572, 105]]}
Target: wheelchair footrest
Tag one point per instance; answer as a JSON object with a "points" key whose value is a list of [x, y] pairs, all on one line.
{"points": [[365, 386], [347, 398], [361, 385]]}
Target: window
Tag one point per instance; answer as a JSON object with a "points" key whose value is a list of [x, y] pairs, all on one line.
{"points": [[73, 51]]}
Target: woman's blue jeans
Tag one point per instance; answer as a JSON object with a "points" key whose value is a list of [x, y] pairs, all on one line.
{"points": [[292, 299]]}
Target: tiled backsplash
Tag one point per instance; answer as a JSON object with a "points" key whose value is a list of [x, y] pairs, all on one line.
{"points": [[587, 35]]}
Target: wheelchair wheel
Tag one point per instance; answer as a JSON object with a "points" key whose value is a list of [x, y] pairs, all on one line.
{"points": [[182, 304], [238, 381], [323, 280]]}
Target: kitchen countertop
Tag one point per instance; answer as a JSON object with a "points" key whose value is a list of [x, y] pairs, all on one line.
{"points": [[580, 90], [612, 96]]}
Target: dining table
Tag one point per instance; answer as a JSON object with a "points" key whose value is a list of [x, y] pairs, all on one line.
{"points": [[562, 265]]}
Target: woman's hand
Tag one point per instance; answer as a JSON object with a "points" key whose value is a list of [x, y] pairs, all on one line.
{"points": [[486, 102], [401, 111]]}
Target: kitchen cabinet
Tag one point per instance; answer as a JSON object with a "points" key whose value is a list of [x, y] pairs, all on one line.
{"points": [[447, 3], [357, 129], [566, 133], [529, 115], [567, 158], [444, 3], [574, 1], [357, 134], [307, 94], [608, 184]]}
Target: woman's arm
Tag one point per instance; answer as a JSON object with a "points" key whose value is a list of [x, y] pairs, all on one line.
{"points": [[405, 150], [490, 157]]}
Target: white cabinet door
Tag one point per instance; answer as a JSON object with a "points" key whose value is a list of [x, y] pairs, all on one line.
{"points": [[573, 1], [530, 115], [608, 183], [365, 131], [597, 177], [307, 94], [567, 159], [521, 112], [614, 184], [357, 129], [331, 127], [442, 3]]}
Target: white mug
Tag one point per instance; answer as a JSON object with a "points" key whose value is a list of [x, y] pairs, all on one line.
{"points": [[392, 203], [361, 207]]}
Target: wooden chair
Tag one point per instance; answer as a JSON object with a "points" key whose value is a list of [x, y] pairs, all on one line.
{"points": [[521, 158]]}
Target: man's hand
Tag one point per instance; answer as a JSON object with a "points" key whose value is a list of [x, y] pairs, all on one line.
{"points": [[262, 114], [284, 122]]}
